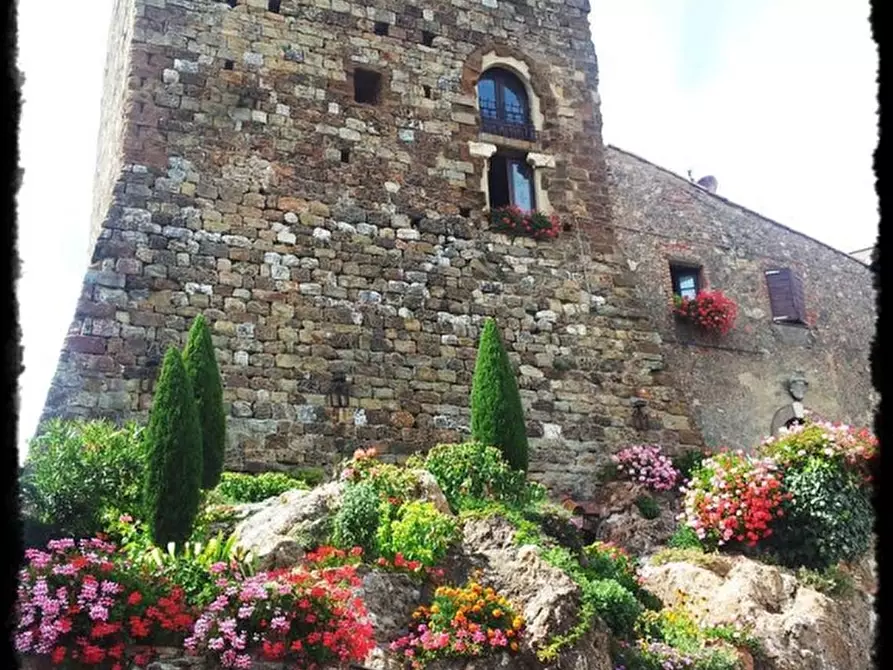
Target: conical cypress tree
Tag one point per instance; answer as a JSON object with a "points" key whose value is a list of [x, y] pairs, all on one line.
{"points": [[497, 417], [201, 365], [172, 487]]}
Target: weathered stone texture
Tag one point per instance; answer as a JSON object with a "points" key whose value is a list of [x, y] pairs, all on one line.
{"points": [[234, 200], [735, 384]]}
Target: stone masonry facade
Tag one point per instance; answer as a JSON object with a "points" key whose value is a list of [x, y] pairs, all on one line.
{"points": [[737, 385], [321, 236]]}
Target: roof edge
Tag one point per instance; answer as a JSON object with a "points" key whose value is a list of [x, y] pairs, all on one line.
{"points": [[736, 205]]}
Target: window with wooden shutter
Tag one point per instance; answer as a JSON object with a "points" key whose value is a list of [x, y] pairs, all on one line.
{"points": [[786, 296]]}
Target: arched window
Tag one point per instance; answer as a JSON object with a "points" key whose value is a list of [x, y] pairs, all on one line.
{"points": [[504, 107]]}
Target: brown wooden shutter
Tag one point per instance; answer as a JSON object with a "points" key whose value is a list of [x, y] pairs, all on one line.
{"points": [[786, 296]]}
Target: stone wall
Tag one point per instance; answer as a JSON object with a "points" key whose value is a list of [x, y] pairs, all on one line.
{"points": [[321, 236], [737, 383]]}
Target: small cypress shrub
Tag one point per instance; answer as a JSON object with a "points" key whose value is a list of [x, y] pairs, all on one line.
{"points": [[201, 365], [172, 488], [497, 416]]}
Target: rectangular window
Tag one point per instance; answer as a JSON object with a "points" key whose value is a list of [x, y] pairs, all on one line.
{"points": [[511, 182], [366, 86], [686, 280], [786, 296]]}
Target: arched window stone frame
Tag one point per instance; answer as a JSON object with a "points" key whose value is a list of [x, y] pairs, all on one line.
{"points": [[521, 70]]}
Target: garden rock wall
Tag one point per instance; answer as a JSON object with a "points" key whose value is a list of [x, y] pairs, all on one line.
{"points": [[323, 237], [800, 628]]}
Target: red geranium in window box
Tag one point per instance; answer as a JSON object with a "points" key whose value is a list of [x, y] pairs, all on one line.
{"points": [[515, 221], [712, 311]]}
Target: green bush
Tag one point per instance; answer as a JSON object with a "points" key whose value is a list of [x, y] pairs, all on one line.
{"points": [[75, 470], [201, 366], [616, 605], [648, 507], [174, 441], [241, 487], [473, 471], [497, 416], [685, 537], [358, 518], [310, 475], [390, 481], [417, 531], [686, 462], [829, 519]]}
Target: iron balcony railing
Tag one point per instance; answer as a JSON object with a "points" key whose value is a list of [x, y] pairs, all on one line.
{"points": [[506, 121]]}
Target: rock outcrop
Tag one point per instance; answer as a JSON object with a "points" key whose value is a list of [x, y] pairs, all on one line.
{"points": [[277, 530], [799, 627]]}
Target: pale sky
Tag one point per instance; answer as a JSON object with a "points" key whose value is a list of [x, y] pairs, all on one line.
{"points": [[775, 98]]}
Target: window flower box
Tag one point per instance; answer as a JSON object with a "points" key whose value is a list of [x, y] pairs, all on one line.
{"points": [[710, 311], [516, 222]]}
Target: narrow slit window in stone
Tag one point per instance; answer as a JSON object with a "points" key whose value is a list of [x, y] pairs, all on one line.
{"points": [[427, 38], [345, 155], [273, 5], [228, 64], [380, 28], [427, 90]]}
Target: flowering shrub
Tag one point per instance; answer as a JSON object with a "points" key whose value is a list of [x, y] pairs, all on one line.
{"points": [[80, 603], [303, 617], [710, 310], [608, 561], [647, 465], [733, 498], [851, 449], [388, 480], [515, 221], [468, 621], [417, 531]]}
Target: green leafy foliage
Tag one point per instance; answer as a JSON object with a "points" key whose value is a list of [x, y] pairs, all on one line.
{"points": [[473, 471], [195, 566], [684, 537], [357, 520], [174, 440], [616, 605], [201, 366], [831, 581], [311, 475], [648, 507], [829, 519], [497, 416], [390, 481], [417, 531], [240, 487], [74, 472]]}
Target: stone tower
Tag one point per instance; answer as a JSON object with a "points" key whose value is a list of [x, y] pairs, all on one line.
{"points": [[314, 176]]}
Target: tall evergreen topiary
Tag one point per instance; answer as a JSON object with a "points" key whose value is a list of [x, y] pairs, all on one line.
{"points": [[172, 488], [497, 417], [201, 365]]}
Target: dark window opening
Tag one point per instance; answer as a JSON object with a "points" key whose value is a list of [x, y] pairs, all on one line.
{"points": [[786, 296], [380, 28], [415, 219], [511, 182], [505, 111], [273, 5], [366, 86], [686, 280], [228, 64], [231, 3], [465, 212], [428, 38], [345, 155], [427, 90]]}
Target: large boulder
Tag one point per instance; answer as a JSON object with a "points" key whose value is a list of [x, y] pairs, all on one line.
{"points": [[800, 628], [278, 530]]}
